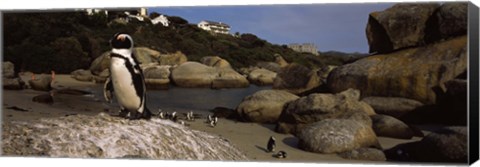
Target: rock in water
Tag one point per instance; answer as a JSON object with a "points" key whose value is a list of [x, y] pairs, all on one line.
{"points": [[264, 105], [44, 98], [215, 61], [261, 77], [103, 136], [336, 136], [194, 74], [42, 83]]}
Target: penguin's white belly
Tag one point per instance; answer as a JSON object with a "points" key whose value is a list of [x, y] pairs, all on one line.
{"points": [[123, 85]]}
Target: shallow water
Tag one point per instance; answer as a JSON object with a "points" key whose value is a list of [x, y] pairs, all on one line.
{"points": [[195, 99]]}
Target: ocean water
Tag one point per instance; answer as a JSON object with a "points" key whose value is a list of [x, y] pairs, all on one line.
{"points": [[198, 100]]}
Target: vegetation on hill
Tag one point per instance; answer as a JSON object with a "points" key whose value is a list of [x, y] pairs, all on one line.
{"points": [[66, 41]]}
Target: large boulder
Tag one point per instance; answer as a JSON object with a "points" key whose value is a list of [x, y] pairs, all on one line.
{"points": [[82, 75], [229, 78], [410, 73], [452, 103], [215, 61], [113, 137], [318, 106], [400, 26], [392, 106], [261, 77], [10, 81], [271, 66], [366, 154], [41, 83], [172, 59], [194, 74], [450, 20], [13, 83], [297, 79], [264, 106], [142, 54], [388, 126], [8, 70], [448, 144], [280, 60], [337, 136], [157, 77]]}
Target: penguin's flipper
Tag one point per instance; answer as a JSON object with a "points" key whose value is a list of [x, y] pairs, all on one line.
{"points": [[107, 90]]}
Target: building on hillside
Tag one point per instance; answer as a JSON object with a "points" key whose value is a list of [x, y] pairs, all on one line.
{"points": [[161, 19], [121, 13], [305, 47], [215, 27]]}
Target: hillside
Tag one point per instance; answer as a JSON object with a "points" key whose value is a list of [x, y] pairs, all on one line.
{"points": [[66, 41]]}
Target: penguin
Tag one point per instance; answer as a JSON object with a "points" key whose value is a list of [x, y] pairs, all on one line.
{"points": [[209, 119], [281, 154], [214, 121], [161, 114], [190, 116], [174, 117], [126, 79], [271, 144]]}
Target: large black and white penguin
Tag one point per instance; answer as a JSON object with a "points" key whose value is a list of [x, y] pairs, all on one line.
{"points": [[126, 79]]}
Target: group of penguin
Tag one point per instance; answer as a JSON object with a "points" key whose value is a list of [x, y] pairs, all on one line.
{"points": [[189, 116], [127, 82]]}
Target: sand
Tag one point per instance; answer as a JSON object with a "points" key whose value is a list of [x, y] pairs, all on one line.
{"points": [[251, 138]]}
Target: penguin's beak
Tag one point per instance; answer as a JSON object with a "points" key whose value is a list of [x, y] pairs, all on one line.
{"points": [[121, 37]]}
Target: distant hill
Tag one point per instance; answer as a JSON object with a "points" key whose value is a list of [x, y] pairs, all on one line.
{"points": [[66, 41]]}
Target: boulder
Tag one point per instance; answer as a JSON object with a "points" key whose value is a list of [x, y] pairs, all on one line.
{"points": [[448, 144], [317, 106], [142, 54], [271, 66], [41, 83], [368, 154], [172, 59], [82, 75], [392, 106], [74, 137], [280, 60], [157, 77], [194, 74], [297, 79], [10, 80], [388, 126], [452, 103], [403, 73], [100, 63], [228, 78], [261, 77], [215, 61], [8, 70], [13, 83], [400, 26], [450, 20], [264, 106], [336, 136]]}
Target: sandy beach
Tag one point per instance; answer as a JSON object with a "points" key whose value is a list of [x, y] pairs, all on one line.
{"points": [[251, 138]]}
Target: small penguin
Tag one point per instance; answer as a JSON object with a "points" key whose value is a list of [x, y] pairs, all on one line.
{"points": [[281, 154], [214, 121], [174, 117], [126, 79], [161, 115], [209, 119], [271, 144], [190, 116]]}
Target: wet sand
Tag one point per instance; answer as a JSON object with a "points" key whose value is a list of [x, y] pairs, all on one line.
{"points": [[251, 138]]}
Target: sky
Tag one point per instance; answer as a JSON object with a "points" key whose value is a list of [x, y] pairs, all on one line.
{"points": [[339, 27]]}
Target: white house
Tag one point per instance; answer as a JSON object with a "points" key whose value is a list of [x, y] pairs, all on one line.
{"points": [[161, 19], [305, 47], [215, 27]]}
